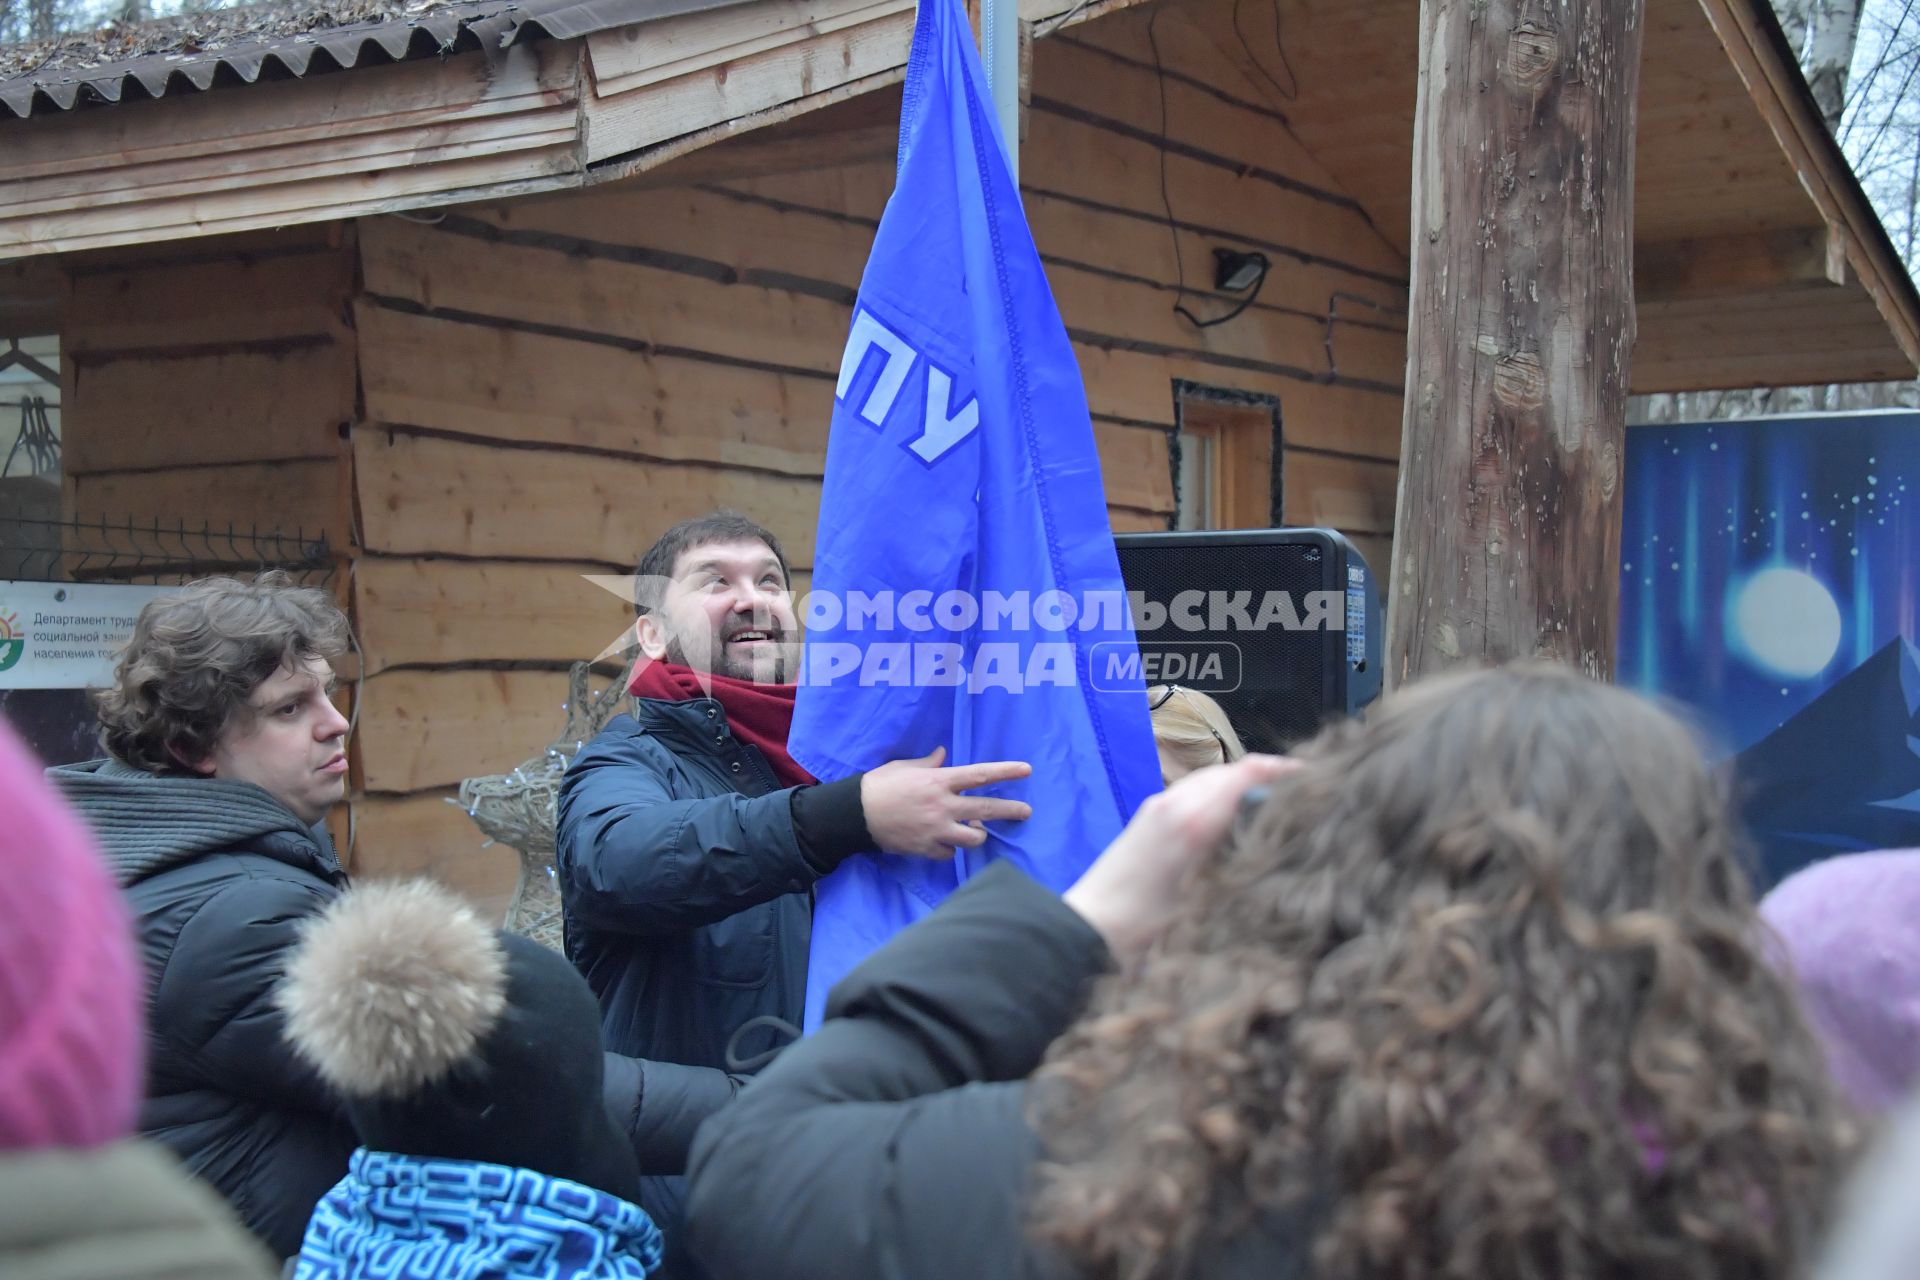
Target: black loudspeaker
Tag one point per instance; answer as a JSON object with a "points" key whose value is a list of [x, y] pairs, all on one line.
{"points": [[1281, 626]]}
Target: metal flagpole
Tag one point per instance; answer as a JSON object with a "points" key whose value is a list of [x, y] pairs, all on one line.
{"points": [[1000, 38]]}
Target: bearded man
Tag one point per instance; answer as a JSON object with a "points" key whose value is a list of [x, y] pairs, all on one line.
{"points": [[689, 840]]}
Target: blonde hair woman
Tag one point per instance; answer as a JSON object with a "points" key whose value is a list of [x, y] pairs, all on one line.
{"points": [[1191, 731]]}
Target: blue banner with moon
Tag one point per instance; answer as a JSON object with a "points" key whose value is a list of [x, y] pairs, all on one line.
{"points": [[1769, 575]]}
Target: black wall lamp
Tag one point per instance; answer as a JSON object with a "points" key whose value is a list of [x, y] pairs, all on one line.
{"points": [[1234, 271]]}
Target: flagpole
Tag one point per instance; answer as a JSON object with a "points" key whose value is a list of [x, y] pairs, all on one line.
{"points": [[1000, 38]]}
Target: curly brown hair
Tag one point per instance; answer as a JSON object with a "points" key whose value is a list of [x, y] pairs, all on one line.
{"points": [[1477, 994], [196, 656]]}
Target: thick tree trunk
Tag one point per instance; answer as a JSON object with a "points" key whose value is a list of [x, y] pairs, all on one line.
{"points": [[1793, 21], [1834, 30], [1522, 327]]}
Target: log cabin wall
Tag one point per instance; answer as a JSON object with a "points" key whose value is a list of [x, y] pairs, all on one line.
{"points": [[480, 406], [212, 382], [547, 384], [1234, 176]]}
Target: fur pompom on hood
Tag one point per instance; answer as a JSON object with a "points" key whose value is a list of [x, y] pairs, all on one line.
{"points": [[391, 987]]}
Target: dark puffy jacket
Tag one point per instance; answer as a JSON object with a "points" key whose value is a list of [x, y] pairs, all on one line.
{"points": [[220, 877], [686, 872], [892, 1144]]}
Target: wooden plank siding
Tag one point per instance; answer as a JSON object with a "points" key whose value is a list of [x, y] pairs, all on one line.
{"points": [[488, 406], [549, 382], [214, 384], [214, 387], [305, 150]]}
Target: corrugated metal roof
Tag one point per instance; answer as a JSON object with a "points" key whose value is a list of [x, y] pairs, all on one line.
{"points": [[448, 28]]}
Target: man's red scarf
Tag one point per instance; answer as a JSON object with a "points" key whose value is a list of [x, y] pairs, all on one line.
{"points": [[760, 715]]}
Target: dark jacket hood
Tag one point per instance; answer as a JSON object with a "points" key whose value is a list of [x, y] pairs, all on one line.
{"points": [[149, 822]]}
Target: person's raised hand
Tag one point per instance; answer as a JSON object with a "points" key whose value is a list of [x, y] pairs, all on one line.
{"points": [[916, 807], [1131, 891]]}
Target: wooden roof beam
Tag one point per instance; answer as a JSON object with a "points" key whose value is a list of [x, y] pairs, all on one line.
{"points": [[1778, 368], [33, 294], [862, 125], [472, 126], [1724, 266], [1791, 116], [665, 89]]}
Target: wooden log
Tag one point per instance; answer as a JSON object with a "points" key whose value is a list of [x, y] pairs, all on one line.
{"points": [[401, 837], [861, 190], [432, 728], [583, 291], [421, 495], [747, 234], [1727, 266], [1108, 272], [1095, 303], [599, 294], [1522, 332], [1108, 69], [307, 237], [1092, 160], [1127, 520], [1119, 207], [512, 385], [1139, 387], [247, 406], [1378, 549], [308, 497], [707, 225], [421, 612], [1770, 369], [1338, 493], [426, 372], [243, 300], [1140, 244]]}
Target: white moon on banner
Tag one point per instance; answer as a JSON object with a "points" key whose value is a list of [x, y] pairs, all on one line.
{"points": [[1785, 623]]}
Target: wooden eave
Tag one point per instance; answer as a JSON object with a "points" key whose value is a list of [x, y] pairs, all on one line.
{"points": [[537, 116], [1758, 258]]}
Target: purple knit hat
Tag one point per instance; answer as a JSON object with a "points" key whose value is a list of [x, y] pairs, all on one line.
{"points": [[71, 986], [1851, 926]]}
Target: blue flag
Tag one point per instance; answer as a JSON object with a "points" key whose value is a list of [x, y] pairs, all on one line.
{"points": [[966, 591]]}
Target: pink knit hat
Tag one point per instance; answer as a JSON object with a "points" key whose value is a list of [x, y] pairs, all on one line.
{"points": [[72, 989], [1851, 925]]}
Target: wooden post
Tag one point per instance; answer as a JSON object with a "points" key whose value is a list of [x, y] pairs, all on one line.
{"points": [[1507, 534]]}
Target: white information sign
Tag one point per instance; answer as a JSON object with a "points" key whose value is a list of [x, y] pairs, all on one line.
{"points": [[65, 635]]}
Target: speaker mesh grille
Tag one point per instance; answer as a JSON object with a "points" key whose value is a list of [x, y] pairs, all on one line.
{"points": [[1276, 684]]}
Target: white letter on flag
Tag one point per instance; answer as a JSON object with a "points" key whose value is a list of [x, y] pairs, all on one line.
{"points": [[942, 432], [867, 334]]}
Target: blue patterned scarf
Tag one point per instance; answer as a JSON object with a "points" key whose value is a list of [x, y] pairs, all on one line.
{"points": [[395, 1215]]}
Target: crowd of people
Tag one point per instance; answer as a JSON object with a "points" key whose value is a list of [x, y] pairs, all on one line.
{"points": [[1473, 986]]}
